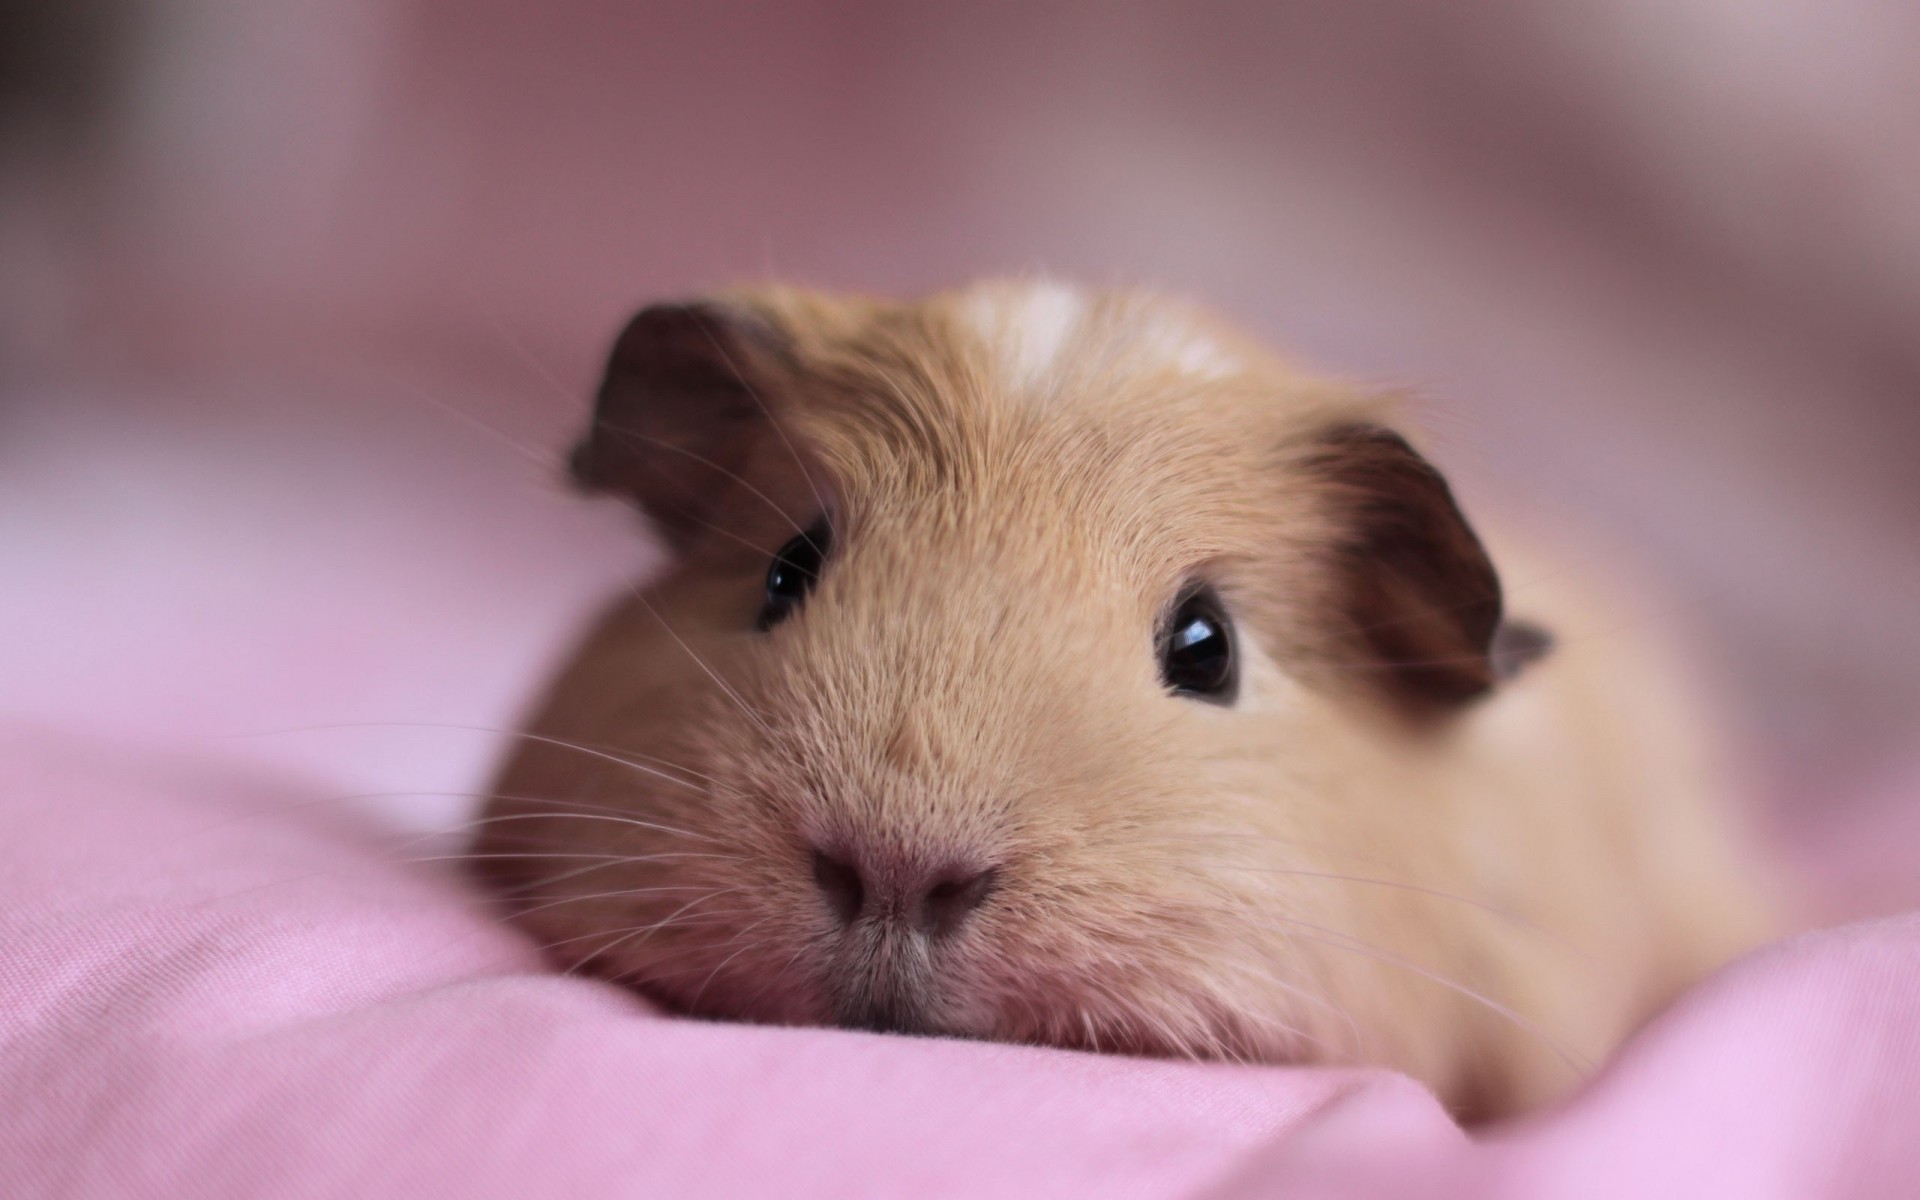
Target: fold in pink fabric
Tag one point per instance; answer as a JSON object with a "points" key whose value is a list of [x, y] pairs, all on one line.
{"points": [[214, 985]]}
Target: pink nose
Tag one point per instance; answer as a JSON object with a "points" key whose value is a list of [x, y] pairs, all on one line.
{"points": [[931, 900]]}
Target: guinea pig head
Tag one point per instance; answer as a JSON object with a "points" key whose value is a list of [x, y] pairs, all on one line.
{"points": [[1028, 665]]}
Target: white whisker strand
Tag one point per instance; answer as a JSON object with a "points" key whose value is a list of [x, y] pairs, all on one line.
{"points": [[538, 368], [1266, 976], [539, 456], [542, 738], [608, 859], [779, 430], [701, 921], [740, 701], [648, 931], [1341, 941], [1413, 888], [633, 822], [617, 893], [695, 1001], [636, 435]]}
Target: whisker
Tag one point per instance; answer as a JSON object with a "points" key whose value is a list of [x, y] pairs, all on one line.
{"points": [[1241, 839], [773, 978], [1342, 941], [649, 930], [636, 435], [1310, 997], [539, 369], [542, 738], [703, 920], [517, 798], [826, 511], [537, 456], [695, 1002], [550, 854], [722, 684], [1513, 918], [441, 829], [617, 893], [603, 861], [520, 890], [724, 532], [573, 816]]}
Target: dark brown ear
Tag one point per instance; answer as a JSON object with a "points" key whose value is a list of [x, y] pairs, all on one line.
{"points": [[1416, 596], [679, 412]]}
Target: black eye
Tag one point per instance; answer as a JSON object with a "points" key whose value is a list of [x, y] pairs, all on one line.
{"points": [[1196, 649], [795, 569]]}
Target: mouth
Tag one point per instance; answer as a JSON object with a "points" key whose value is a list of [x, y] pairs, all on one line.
{"points": [[910, 1003], [880, 974], [877, 1016], [879, 980]]}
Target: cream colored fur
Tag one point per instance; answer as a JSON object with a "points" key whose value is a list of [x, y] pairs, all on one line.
{"points": [[1020, 477]]}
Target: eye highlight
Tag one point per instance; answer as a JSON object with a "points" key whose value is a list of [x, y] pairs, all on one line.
{"points": [[1197, 656], [795, 569]]}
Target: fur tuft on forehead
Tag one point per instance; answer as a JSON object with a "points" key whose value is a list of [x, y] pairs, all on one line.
{"points": [[1036, 334]]}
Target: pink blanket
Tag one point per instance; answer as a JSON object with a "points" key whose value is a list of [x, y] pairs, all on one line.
{"points": [[352, 265], [212, 986]]}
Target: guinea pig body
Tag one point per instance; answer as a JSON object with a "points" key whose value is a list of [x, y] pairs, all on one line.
{"points": [[1059, 666]]}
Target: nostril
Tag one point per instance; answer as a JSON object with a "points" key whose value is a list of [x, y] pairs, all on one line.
{"points": [[950, 901], [840, 882]]}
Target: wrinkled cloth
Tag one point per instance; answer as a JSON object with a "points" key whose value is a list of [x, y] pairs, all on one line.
{"points": [[216, 984]]}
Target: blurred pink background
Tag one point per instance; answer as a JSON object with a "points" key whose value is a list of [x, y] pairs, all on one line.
{"points": [[298, 303]]}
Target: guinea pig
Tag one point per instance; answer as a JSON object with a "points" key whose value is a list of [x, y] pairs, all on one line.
{"points": [[1060, 666]]}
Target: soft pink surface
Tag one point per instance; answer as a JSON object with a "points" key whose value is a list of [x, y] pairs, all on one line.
{"points": [[286, 364], [220, 974], [209, 988]]}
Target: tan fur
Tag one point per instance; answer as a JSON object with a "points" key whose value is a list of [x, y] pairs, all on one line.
{"points": [[1488, 902]]}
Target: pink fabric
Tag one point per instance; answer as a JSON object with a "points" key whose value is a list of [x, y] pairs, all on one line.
{"points": [[212, 985], [1623, 243]]}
